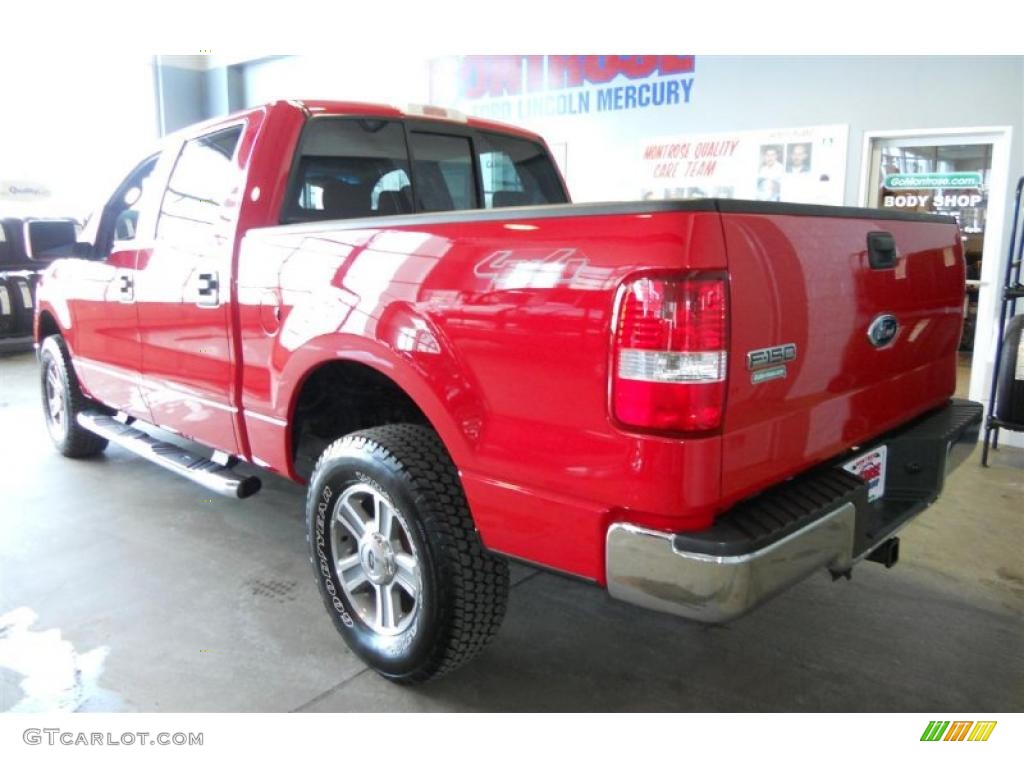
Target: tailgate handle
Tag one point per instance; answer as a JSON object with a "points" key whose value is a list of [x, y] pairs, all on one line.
{"points": [[881, 250]]}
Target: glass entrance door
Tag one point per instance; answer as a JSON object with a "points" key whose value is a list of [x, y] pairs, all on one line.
{"points": [[949, 175]]}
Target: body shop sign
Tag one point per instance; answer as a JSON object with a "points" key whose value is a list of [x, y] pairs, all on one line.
{"points": [[940, 192], [522, 87]]}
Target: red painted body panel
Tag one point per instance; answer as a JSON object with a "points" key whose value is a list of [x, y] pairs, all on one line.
{"points": [[105, 335], [502, 337], [501, 333], [807, 281], [189, 355]]}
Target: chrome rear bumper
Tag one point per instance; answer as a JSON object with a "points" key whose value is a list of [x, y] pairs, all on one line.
{"points": [[716, 575], [646, 569]]}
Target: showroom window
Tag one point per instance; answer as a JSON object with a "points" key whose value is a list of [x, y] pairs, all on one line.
{"points": [[517, 172], [200, 184], [443, 172]]}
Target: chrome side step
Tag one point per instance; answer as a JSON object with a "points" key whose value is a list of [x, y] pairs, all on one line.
{"points": [[209, 474]]}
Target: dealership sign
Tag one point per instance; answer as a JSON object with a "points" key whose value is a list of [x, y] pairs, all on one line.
{"points": [[521, 87], [969, 180]]}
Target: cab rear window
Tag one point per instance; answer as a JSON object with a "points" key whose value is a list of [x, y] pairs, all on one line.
{"points": [[361, 167]]}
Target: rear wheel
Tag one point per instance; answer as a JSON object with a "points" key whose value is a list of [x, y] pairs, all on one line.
{"points": [[399, 564], [63, 401]]}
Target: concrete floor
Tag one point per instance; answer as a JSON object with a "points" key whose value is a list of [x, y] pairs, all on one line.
{"points": [[124, 587]]}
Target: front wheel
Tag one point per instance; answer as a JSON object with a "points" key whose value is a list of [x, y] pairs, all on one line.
{"points": [[63, 401], [399, 564]]}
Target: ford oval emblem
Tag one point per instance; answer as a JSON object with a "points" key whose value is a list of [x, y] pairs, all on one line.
{"points": [[883, 330]]}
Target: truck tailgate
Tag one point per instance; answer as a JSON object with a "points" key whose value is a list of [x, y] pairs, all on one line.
{"points": [[806, 280]]}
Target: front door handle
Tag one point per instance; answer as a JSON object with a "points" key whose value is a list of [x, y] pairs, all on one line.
{"points": [[209, 289], [126, 287]]}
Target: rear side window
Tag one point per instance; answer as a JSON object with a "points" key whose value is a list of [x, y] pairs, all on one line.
{"points": [[443, 169], [517, 172], [349, 168], [203, 178]]}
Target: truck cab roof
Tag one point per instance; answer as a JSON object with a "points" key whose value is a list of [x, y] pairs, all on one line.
{"points": [[366, 109]]}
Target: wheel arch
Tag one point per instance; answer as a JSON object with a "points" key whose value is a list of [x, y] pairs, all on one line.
{"points": [[429, 392], [46, 325]]}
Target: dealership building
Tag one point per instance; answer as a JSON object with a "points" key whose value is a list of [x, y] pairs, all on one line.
{"points": [[148, 593]]}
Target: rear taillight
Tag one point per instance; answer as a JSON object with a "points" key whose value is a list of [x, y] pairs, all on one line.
{"points": [[669, 358]]}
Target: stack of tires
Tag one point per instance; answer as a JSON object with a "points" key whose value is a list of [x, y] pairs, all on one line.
{"points": [[1010, 389], [17, 289], [8, 320], [22, 287]]}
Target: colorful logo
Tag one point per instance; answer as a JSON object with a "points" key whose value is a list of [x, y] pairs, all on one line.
{"points": [[958, 730]]}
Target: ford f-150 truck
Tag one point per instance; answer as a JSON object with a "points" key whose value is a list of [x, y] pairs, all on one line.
{"points": [[693, 404]]}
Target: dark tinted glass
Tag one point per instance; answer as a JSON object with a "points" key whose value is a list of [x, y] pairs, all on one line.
{"points": [[443, 172], [517, 172], [356, 167], [350, 168]]}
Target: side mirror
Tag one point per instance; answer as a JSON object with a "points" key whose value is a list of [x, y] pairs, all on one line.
{"points": [[48, 239]]}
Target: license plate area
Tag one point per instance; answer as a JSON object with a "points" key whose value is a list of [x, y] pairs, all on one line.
{"points": [[870, 467]]}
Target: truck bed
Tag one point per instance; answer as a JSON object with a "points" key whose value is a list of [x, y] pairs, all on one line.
{"points": [[507, 315]]}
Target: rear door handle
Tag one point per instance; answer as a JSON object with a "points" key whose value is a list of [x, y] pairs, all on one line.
{"points": [[209, 289]]}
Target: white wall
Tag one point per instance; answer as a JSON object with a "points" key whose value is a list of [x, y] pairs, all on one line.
{"points": [[393, 78], [735, 93], [74, 128]]}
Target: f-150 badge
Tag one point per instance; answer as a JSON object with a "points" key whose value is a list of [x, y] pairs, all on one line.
{"points": [[762, 358], [769, 363]]}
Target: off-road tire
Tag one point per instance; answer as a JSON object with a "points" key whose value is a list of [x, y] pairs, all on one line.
{"points": [[464, 590], [69, 437]]}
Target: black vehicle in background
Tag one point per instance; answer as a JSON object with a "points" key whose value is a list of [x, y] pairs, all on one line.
{"points": [[25, 251]]}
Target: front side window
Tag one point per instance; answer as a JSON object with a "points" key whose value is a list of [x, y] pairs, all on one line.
{"points": [[118, 221], [127, 223], [203, 179]]}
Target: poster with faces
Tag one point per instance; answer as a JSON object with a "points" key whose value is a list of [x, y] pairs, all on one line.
{"points": [[790, 165]]}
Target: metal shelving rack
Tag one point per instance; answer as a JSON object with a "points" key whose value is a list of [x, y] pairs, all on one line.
{"points": [[1013, 290]]}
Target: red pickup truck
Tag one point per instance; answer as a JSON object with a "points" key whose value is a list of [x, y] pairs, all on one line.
{"points": [[693, 404]]}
